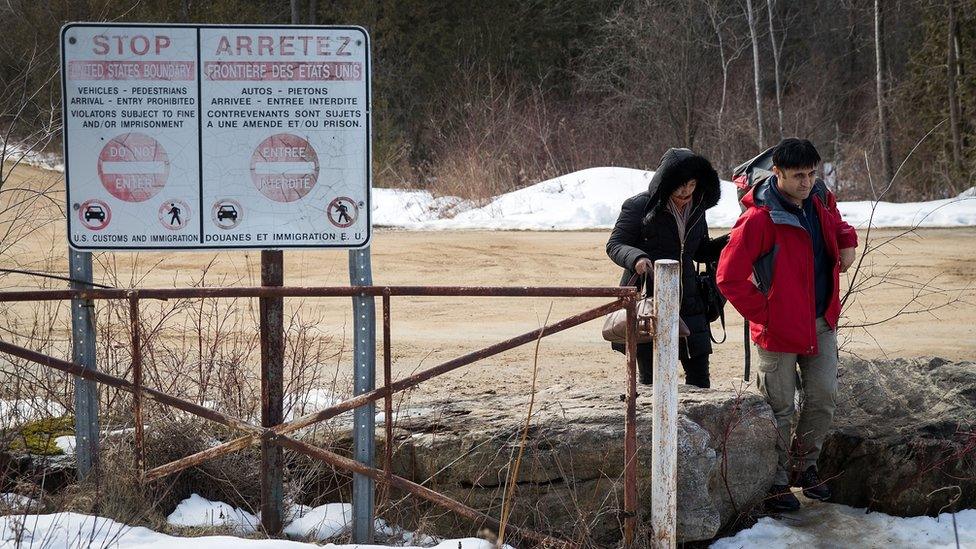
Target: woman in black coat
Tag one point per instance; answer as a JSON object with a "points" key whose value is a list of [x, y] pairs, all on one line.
{"points": [[649, 228]]}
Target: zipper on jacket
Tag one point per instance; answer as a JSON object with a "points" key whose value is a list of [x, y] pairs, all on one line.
{"points": [[813, 285]]}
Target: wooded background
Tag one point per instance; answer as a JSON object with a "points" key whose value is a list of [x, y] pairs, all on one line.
{"points": [[477, 98]]}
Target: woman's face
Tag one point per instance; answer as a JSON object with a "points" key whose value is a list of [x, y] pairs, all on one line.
{"points": [[682, 195]]}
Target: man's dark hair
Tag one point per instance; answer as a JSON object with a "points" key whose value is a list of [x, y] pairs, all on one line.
{"points": [[792, 153]]}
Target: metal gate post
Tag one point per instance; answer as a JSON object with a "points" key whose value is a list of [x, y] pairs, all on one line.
{"points": [[272, 389], [83, 352], [364, 380]]}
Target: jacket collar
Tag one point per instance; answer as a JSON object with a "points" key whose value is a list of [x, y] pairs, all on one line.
{"points": [[766, 196]]}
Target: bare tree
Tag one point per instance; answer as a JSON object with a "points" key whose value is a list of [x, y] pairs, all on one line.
{"points": [[184, 14], [952, 72], [776, 52], [735, 47], [296, 12], [884, 133], [750, 14], [649, 64]]}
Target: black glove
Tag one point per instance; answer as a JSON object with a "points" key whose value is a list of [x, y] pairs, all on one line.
{"points": [[722, 241]]}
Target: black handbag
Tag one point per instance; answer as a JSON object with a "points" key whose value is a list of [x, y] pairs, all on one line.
{"points": [[711, 297]]}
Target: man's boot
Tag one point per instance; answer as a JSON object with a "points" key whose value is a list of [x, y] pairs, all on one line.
{"points": [[813, 486], [780, 498]]}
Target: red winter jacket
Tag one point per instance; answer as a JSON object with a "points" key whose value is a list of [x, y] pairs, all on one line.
{"points": [[766, 270]]}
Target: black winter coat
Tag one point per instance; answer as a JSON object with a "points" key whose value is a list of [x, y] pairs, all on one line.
{"points": [[646, 228]]}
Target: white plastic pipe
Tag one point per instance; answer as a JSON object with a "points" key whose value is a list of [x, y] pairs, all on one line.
{"points": [[664, 439]]}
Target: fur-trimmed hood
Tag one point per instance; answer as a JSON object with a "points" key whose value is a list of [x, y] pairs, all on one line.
{"points": [[677, 167]]}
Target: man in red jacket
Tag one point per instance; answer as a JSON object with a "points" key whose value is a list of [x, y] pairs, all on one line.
{"points": [[781, 271]]}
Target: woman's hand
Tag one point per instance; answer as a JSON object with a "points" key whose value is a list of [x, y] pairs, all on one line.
{"points": [[644, 266]]}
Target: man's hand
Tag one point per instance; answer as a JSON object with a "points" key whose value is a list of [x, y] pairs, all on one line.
{"points": [[847, 256], [644, 266]]}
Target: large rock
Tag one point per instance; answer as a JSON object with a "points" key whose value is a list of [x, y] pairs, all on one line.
{"points": [[904, 437], [571, 477]]}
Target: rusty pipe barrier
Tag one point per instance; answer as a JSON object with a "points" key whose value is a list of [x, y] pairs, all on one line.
{"points": [[137, 384], [277, 434], [126, 385], [281, 440], [302, 291], [376, 394], [412, 487]]}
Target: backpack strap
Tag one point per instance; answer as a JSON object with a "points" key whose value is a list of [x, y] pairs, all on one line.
{"points": [[725, 334]]}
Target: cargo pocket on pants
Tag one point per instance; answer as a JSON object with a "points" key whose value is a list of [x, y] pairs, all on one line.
{"points": [[768, 361]]}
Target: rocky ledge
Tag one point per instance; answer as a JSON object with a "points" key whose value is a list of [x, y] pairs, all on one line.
{"points": [[571, 477]]}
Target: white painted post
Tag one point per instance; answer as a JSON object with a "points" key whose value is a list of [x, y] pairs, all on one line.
{"points": [[664, 439]]}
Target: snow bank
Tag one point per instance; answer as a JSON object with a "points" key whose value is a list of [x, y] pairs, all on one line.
{"points": [[413, 209], [198, 511], [76, 530], [299, 404], [831, 525], [952, 212], [66, 444], [11, 503], [591, 199], [321, 523], [19, 153]]}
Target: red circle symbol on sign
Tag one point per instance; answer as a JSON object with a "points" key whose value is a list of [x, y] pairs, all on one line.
{"points": [[284, 167], [133, 167], [94, 214], [342, 212]]}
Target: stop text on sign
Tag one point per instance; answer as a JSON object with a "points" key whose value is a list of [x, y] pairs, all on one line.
{"points": [[125, 44]]}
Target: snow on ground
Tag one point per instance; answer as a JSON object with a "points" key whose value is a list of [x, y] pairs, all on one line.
{"points": [[307, 402], [66, 443], [18, 411], [11, 503], [321, 523], [413, 209], [830, 525], [591, 199], [815, 525], [77, 530], [21, 153], [952, 212], [199, 511]]}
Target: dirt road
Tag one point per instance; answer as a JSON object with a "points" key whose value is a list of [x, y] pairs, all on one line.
{"points": [[899, 279]]}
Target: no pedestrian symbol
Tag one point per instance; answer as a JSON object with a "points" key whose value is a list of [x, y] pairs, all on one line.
{"points": [[343, 212], [174, 214]]}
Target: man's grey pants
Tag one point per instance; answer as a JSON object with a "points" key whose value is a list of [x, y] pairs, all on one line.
{"points": [[817, 377]]}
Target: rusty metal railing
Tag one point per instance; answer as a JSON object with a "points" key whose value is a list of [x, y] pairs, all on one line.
{"points": [[625, 298]]}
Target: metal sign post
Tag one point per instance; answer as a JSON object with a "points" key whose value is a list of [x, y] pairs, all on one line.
{"points": [[272, 390], [364, 381], [83, 352]]}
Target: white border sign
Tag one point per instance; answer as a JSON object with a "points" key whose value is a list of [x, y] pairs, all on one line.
{"points": [[213, 136]]}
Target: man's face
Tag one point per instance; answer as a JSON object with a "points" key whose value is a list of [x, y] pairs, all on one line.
{"points": [[795, 183]]}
